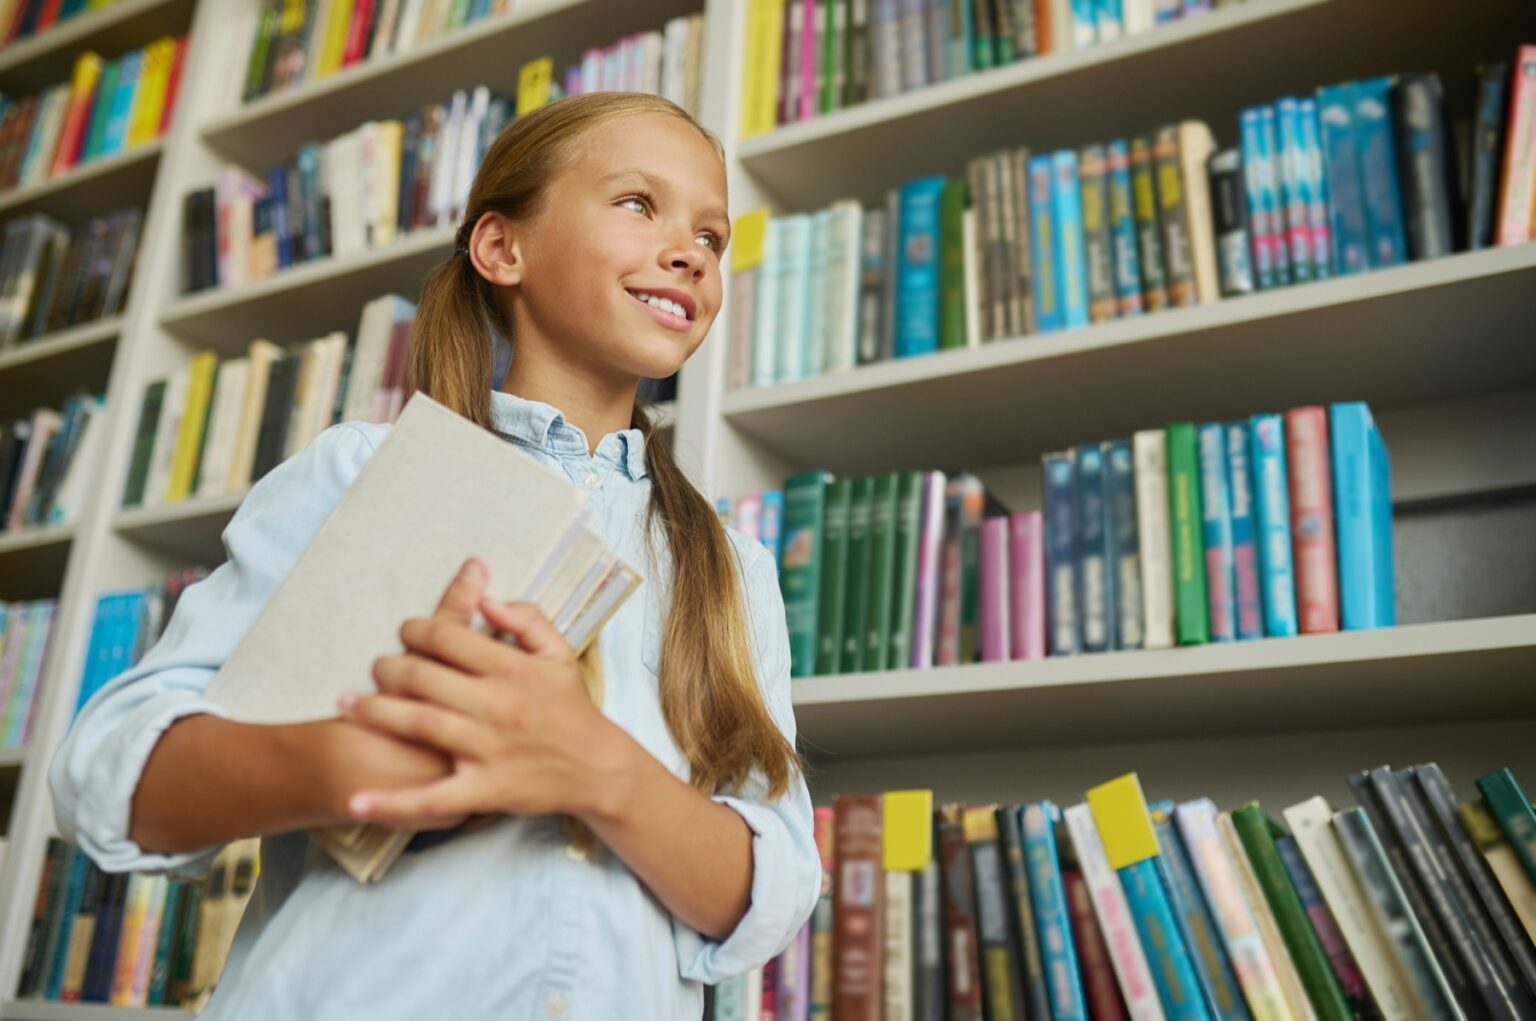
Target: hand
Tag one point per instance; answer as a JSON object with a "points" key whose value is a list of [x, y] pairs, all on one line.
{"points": [[522, 732]]}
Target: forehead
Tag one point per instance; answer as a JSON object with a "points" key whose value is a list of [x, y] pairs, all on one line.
{"points": [[663, 151]]}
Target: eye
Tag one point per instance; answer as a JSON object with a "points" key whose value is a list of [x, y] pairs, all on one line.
{"points": [[709, 239], [639, 203]]}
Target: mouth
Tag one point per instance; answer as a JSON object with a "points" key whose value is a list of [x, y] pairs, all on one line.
{"points": [[671, 308]]}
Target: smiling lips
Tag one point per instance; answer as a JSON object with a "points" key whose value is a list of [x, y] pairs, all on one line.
{"points": [[672, 309]]}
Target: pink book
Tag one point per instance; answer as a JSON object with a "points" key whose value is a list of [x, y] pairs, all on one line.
{"points": [[794, 991], [1520, 153], [1026, 563], [749, 516], [815, 27], [930, 543], [1317, 582], [995, 615]]}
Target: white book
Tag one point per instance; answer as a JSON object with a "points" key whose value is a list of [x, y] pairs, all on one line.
{"points": [[844, 271], [384, 36], [818, 294], [796, 280], [1139, 16], [1126, 956], [925, 614], [261, 354], [1153, 536], [650, 49], [476, 110], [1061, 26], [752, 998], [673, 62], [897, 957], [50, 124], [223, 425], [765, 305], [373, 335], [366, 184], [1290, 981], [335, 350], [69, 499], [164, 450], [693, 64], [971, 255], [1195, 149], [301, 408], [405, 30], [447, 159], [1311, 824]]}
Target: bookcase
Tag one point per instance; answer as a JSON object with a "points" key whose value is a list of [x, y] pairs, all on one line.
{"points": [[1441, 349]]}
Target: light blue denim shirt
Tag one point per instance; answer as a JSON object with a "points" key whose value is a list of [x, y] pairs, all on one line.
{"points": [[506, 922]]}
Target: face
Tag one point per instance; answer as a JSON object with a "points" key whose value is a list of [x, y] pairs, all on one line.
{"points": [[620, 266]]}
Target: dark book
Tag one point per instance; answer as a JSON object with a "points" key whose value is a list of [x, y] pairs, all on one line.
{"points": [[258, 66], [13, 442], [49, 891], [82, 934], [50, 269], [858, 940], [93, 289], [1229, 215], [964, 967], [1178, 250], [276, 414], [109, 931], [316, 218], [144, 443], [1487, 152], [278, 215], [1149, 231], [1002, 977], [56, 458], [192, 279], [71, 271], [410, 141], [179, 982], [1424, 147], [929, 993], [171, 920], [1096, 239], [293, 221], [1026, 935], [871, 285], [856, 54]]}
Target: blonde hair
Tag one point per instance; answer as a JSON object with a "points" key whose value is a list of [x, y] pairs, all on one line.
{"points": [[710, 697]]}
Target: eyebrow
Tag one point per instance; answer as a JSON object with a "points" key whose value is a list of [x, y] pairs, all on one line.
{"points": [[655, 183]]}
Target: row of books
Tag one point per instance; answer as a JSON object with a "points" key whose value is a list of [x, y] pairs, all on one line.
{"points": [[124, 627], [46, 461], [53, 277], [1411, 905], [215, 427], [133, 939], [20, 19], [808, 58], [25, 629], [1356, 178], [1269, 526], [105, 108]]}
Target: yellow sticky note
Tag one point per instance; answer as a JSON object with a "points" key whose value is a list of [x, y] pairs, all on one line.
{"points": [[748, 235], [533, 84], [907, 826], [1120, 812]]}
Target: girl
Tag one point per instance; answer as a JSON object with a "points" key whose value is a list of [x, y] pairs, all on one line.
{"points": [[592, 238]]}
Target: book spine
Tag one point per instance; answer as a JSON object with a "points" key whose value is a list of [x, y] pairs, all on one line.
{"points": [[1261, 223], [766, 302], [1509, 805], [1423, 147], [1038, 823], [1317, 188], [856, 595], [1341, 163], [1191, 615], [871, 285], [881, 589], [1378, 172], [1098, 245], [1071, 262], [831, 602], [1149, 231], [897, 957], [996, 613], [1060, 559], [930, 545], [1025, 933], [1216, 533], [1092, 551], [1002, 978], [1196, 923], [917, 299], [951, 584], [1312, 535], [1101, 992], [962, 962], [1361, 488], [1168, 956], [805, 499], [1123, 542], [796, 280], [1172, 205], [1345, 972], [1245, 545], [1042, 236], [821, 959], [1027, 600], [1014, 168], [1229, 206], [1126, 261], [952, 255], [1487, 148], [1154, 537], [909, 530], [858, 916], [1295, 187], [1272, 508]]}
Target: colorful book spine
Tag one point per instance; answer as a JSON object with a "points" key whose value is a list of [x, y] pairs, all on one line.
{"points": [[1060, 555], [1003, 980], [930, 550], [1350, 981], [1124, 543], [1261, 217], [1341, 164], [1098, 245], [1095, 557], [1362, 500], [1100, 989], [917, 271], [1173, 209], [1272, 510], [1312, 536], [1317, 188], [772, 521], [1229, 219], [820, 1000], [805, 498], [1071, 257], [996, 611], [1122, 220], [1049, 315], [1272, 194], [1295, 187], [859, 908], [1149, 232], [1518, 197], [962, 965], [1245, 544], [1216, 532], [1379, 181], [1191, 609], [1154, 538], [793, 350], [1063, 980], [1027, 600]]}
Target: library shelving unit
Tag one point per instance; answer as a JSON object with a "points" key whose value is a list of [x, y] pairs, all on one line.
{"points": [[1441, 349]]}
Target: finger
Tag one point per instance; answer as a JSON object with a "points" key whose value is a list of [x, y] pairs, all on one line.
{"points": [[427, 680], [464, 592], [458, 645], [453, 796], [420, 723], [526, 623]]}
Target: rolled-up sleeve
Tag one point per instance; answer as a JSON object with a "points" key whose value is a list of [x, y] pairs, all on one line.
{"points": [[96, 770], [786, 869]]}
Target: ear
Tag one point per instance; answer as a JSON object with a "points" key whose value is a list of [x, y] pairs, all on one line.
{"points": [[496, 248]]}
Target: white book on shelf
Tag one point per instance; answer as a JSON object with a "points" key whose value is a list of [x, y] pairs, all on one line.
{"points": [[409, 24], [261, 354], [223, 426], [45, 423], [1139, 16], [477, 108], [1196, 145], [693, 64], [899, 966], [651, 48], [384, 34], [74, 487], [372, 348], [324, 409], [972, 277], [301, 411], [818, 295], [1062, 36], [840, 311], [1290, 980], [164, 449], [446, 160], [386, 187], [367, 181], [674, 62], [1150, 451]]}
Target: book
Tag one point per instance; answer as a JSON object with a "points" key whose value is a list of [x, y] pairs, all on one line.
{"points": [[1188, 556], [1122, 218], [1071, 258], [856, 598], [1229, 219], [1038, 821], [1363, 517], [1508, 804], [1061, 599], [881, 589], [1001, 968], [1026, 597], [859, 908], [800, 565], [1025, 931], [1272, 513], [1424, 147], [926, 579], [831, 603], [1154, 542], [1216, 532], [1379, 178], [1312, 525], [1092, 551], [1149, 231], [1245, 547], [909, 534], [1487, 150], [917, 268]]}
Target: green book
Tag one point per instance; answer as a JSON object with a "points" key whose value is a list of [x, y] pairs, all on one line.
{"points": [[170, 918], [1508, 804], [972, 510], [909, 531], [1257, 833], [983, 41], [805, 498], [882, 580], [952, 202], [1185, 522], [144, 443], [856, 589], [834, 577], [101, 111], [832, 17]]}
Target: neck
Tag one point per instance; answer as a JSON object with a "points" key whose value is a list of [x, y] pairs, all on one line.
{"points": [[597, 405]]}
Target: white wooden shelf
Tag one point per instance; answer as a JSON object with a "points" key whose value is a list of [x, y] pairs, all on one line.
{"points": [[1442, 673], [308, 300], [92, 188], [1428, 331], [44, 369], [1246, 53], [11, 758], [49, 57], [190, 530], [488, 52], [35, 537], [39, 1010]]}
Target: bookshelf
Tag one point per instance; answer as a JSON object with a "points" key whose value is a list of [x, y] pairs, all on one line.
{"points": [[1440, 347], [95, 187], [48, 57], [31, 1010]]}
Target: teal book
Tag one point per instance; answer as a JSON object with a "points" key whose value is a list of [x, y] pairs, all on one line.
{"points": [[805, 499], [122, 102], [1508, 804], [858, 578], [101, 111]]}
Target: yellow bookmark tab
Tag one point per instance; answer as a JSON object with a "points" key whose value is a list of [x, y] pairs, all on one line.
{"points": [[1120, 812], [533, 84], [908, 830], [748, 235]]}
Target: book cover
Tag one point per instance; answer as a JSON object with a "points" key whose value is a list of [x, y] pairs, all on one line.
{"points": [[952, 256], [831, 603], [1098, 244], [1229, 212], [1379, 179], [1424, 152], [1126, 261], [1245, 543], [1154, 537], [1362, 496], [1071, 260], [805, 500], [1216, 532], [1026, 598], [1149, 229], [1038, 821], [1059, 517], [796, 280], [1042, 235], [856, 594], [1272, 517], [1093, 550], [962, 963], [1100, 990], [1191, 609], [820, 999], [858, 915], [1312, 531], [917, 271], [1342, 174], [1173, 212]]}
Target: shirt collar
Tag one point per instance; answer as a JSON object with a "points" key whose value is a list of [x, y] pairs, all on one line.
{"points": [[543, 427]]}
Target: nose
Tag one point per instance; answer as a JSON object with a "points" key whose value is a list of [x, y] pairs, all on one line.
{"points": [[686, 259]]}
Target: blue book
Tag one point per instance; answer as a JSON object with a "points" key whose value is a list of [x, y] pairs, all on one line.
{"points": [[1111, 20], [1060, 558], [1095, 585], [277, 188], [1216, 530], [796, 281], [1071, 244], [1317, 189], [1263, 236], [1295, 181], [1245, 544], [917, 268], [771, 523], [1197, 923], [1270, 191], [1085, 23], [1124, 541], [69, 907], [1272, 519], [1042, 236], [1341, 171], [101, 110], [104, 623], [765, 305], [122, 103], [1388, 242], [1063, 981], [1122, 226], [1362, 515]]}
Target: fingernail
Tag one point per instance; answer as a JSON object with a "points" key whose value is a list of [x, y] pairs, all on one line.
{"points": [[347, 701], [472, 571], [359, 804]]}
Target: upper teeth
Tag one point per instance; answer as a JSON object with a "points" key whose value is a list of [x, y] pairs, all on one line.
{"points": [[665, 304]]}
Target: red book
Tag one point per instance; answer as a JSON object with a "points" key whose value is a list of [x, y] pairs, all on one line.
{"points": [[85, 87], [963, 960], [1317, 580], [48, 15], [1099, 986], [357, 33], [858, 910], [171, 86], [1519, 196]]}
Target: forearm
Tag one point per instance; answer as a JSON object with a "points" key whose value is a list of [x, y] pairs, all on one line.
{"points": [[210, 780], [692, 852]]}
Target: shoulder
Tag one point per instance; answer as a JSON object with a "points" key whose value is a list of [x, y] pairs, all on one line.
{"points": [[757, 566]]}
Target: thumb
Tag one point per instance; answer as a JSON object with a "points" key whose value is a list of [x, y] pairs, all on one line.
{"points": [[527, 624], [464, 592]]}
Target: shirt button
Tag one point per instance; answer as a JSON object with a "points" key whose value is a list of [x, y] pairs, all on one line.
{"points": [[575, 853], [593, 481], [555, 1006]]}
